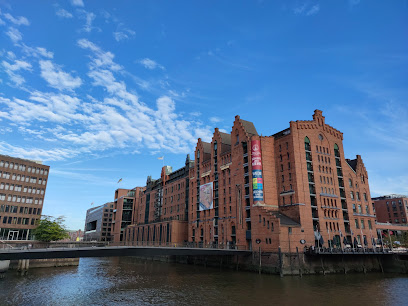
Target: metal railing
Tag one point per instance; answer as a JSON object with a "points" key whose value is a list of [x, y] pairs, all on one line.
{"points": [[179, 245], [352, 250]]}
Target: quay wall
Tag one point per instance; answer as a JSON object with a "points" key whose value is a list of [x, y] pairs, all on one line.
{"points": [[45, 263], [286, 264]]}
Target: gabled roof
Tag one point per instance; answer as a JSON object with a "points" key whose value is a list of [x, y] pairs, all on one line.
{"points": [[249, 127], [206, 147], [352, 163], [225, 138]]}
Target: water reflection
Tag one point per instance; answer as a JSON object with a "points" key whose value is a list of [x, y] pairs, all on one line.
{"points": [[128, 281]]}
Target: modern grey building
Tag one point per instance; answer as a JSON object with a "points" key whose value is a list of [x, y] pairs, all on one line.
{"points": [[98, 223]]}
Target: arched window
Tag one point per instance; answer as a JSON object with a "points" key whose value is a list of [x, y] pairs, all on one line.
{"points": [[336, 150], [307, 144]]}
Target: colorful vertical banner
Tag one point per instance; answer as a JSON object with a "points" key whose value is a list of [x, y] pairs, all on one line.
{"points": [[206, 196], [257, 181]]}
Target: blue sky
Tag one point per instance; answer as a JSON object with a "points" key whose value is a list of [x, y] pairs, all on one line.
{"points": [[99, 89]]}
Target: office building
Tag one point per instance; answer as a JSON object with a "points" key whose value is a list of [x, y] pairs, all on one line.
{"points": [[22, 189], [391, 208], [98, 223]]}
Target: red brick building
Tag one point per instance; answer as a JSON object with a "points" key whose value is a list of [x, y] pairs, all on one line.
{"points": [[161, 209], [22, 189], [391, 208], [291, 189]]}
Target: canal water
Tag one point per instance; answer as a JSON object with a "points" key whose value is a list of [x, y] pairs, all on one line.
{"points": [[130, 281]]}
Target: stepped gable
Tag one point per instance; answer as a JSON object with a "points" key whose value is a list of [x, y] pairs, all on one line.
{"points": [[249, 127], [226, 138], [207, 151], [225, 142], [318, 122]]}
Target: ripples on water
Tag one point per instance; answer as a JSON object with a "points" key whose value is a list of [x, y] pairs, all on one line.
{"points": [[129, 281]]}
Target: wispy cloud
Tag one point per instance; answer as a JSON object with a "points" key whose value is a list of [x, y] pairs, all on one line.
{"points": [[18, 20], [36, 51], [79, 3], [14, 34], [123, 33], [215, 119], [150, 64], [89, 18], [36, 153], [63, 13], [12, 69], [117, 119], [57, 78], [306, 9]]}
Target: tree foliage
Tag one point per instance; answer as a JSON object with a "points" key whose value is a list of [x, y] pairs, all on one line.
{"points": [[50, 229]]}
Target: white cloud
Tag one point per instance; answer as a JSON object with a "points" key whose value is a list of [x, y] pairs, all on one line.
{"points": [[17, 21], [77, 3], [215, 119], [44, 107], [11, 70], [63, 13], [313, 10], [123, 33], [36, 51], [35, 153], [306, 9], [101, 59], [89, 126], [89, 19], [57, 78], [150, 64], [14, 34], [119, 36], [2, 22]]}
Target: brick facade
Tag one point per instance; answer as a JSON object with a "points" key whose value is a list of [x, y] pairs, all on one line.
{"points": [[310, 190], [391, 208]]}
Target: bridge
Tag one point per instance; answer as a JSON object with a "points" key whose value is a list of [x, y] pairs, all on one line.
{"points": [[113, 251]]}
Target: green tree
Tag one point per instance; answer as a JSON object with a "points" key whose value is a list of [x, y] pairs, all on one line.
{"points": [[50, 229]]}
